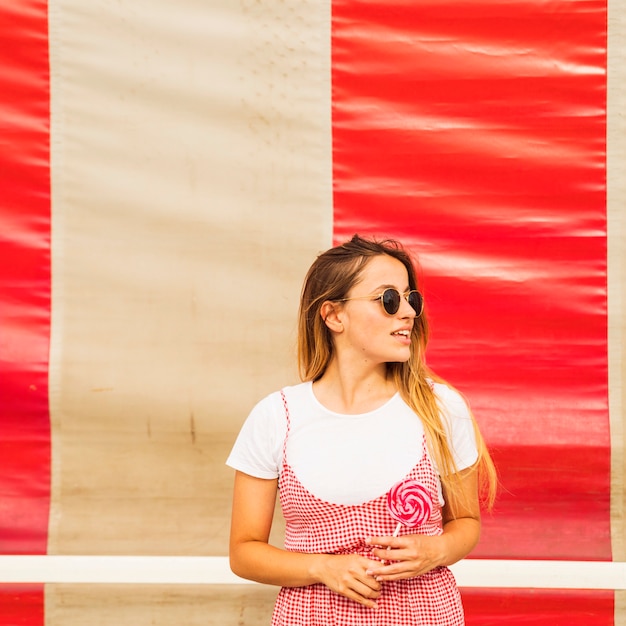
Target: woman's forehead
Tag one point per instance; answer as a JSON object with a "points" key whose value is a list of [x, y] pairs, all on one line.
{"points": [[384, 270]]}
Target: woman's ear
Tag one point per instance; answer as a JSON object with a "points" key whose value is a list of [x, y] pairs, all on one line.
{"points": [[330, 314]]}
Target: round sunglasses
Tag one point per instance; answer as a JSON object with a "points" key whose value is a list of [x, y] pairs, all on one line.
{"points": [[391, 298]]}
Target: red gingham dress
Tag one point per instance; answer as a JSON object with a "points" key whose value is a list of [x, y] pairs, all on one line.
{"points": [[317, 526]]}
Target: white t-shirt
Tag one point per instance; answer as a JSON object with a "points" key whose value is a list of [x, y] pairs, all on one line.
{"points": [[345, 459]]}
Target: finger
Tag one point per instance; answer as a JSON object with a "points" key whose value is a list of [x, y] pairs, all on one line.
{"points": [[368, 591], [391, 554], [394, 572], [363, 598], [361, 574], [370, 583], [387, 570], [366, 585]]}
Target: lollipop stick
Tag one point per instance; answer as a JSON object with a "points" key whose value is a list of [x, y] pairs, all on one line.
{"points": [[395, 534]]}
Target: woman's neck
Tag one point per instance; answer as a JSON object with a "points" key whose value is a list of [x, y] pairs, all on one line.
{"points": [[345, 390]]}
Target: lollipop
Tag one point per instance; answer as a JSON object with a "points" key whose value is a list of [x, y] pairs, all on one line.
{"points": [[409, 504]]}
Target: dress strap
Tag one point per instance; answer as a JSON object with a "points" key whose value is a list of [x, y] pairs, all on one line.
{"points": [[286, 407]]}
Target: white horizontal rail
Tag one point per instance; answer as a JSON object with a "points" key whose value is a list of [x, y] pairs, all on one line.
{"points": [[207, 570]]}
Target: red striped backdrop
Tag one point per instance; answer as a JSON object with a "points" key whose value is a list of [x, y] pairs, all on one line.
{"points": [[473, 131]]}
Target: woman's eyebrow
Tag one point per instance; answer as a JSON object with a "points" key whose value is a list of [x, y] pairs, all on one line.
{"points": [[383, 287]]}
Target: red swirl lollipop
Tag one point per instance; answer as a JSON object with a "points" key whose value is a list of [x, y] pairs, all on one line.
{"points": [[409, 503]]}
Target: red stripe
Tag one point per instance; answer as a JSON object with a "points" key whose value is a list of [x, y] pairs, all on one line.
{"points": [[21, 605], [537, 606], [25, 293], [475, 132]]}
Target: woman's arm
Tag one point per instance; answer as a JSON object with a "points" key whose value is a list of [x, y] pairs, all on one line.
{"points": [[252, 557], [413, 555]]}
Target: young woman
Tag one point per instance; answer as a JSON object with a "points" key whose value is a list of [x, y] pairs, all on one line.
{"points": [[379, 465]]}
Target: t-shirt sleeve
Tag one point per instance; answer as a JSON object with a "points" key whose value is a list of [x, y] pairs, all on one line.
{"points": [[460, 426], [258, 448]]}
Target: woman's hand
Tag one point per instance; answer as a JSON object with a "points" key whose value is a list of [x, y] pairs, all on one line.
{"points": [[406, 556], [348, 575], [413, 555]]}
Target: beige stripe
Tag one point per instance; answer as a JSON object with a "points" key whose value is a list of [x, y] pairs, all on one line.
{"points": [[173, 605], [191, 154], [616, 179]]}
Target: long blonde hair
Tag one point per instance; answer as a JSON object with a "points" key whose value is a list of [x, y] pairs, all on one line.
{"points": [[330, 278]]}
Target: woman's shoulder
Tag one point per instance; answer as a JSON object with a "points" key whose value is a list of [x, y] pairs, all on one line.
{"points": [[258, 447], [451, 400], [274, 403], [459, 424]]}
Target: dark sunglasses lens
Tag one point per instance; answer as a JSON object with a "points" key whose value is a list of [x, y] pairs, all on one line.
{"points": [[416, 301], [391, 301]]}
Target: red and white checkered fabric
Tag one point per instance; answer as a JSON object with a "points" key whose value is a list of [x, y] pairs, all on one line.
{"points": [[316, 526]]}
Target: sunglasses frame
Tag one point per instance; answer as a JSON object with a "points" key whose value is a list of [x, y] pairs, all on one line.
{"points": [[381, 295]]}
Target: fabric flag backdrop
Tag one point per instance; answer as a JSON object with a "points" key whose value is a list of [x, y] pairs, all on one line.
{"points": [[167, 175]]}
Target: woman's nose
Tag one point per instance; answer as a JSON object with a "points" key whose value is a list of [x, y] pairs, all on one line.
{"points": [[406, 310]]}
